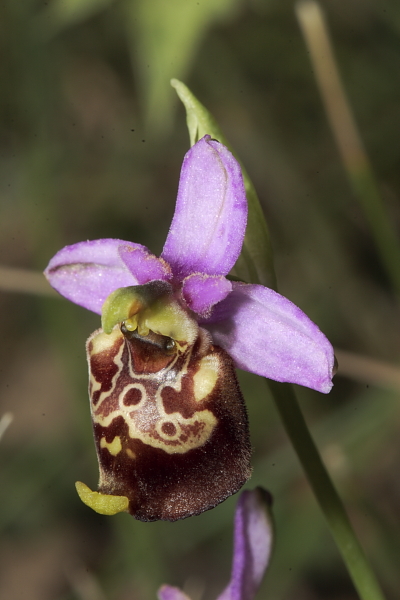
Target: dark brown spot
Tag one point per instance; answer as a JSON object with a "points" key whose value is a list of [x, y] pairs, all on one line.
{"points": [[132, 397], [168, 428]]}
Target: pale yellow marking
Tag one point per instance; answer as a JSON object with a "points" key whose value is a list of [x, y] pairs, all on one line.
{"points": [[105, 341], [96, 385], [105, 504], [204, 417], [130, 453], [113, 447], [206, 377], [106, 394], [145, 418]]}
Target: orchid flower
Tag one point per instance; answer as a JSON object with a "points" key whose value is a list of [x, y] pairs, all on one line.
{"points": [[169, 420], [252, 545]]}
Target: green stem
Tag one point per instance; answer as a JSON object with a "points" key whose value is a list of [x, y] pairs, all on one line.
{"points": [[331, 505], [384, 232], [256, 266]]}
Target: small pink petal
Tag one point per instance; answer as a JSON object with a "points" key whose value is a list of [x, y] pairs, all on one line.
{"points": [[207, 230], [144, 265], [268, 335], [202, 291]]}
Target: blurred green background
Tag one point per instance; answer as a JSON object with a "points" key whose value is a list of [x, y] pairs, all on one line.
{"points": [[91, 142]]}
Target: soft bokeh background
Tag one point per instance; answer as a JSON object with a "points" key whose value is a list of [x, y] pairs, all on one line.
{"points": [[91, 142]]}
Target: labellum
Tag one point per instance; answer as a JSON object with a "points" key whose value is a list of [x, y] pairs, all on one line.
{"points": [[169, 420]]}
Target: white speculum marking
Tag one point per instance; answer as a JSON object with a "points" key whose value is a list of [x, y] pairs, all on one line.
{"points": [[147, 419], [206, 377]]}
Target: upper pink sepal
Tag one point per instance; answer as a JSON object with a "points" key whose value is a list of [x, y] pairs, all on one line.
{"points": [[88, 272], [201, 291], [208, 227], [268, 335]]}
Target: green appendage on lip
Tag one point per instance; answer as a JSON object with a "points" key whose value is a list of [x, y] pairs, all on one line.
{"points": [[104, 504]]}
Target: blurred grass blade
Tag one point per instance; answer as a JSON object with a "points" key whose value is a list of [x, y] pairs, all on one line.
{"points": [[347, 137], [5, 422], [25, 281], [61, 13], [83, 582], [164, 37], [368, 370], [255, 264]]}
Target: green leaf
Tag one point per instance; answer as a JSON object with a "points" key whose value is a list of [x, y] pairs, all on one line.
{"points": [[165, 36], [255, 263]]}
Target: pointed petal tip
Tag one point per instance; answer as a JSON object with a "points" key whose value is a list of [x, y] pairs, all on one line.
{"points": [[168, 592], [268, 335], [253, 543], [265, 497]]}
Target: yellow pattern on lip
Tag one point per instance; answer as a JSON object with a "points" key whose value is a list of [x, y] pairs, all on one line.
{"points": [[146, 418], [206, 377], [113, 447]]}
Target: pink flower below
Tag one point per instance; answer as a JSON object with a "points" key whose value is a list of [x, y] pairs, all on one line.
{"points": [[253, 540]]}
